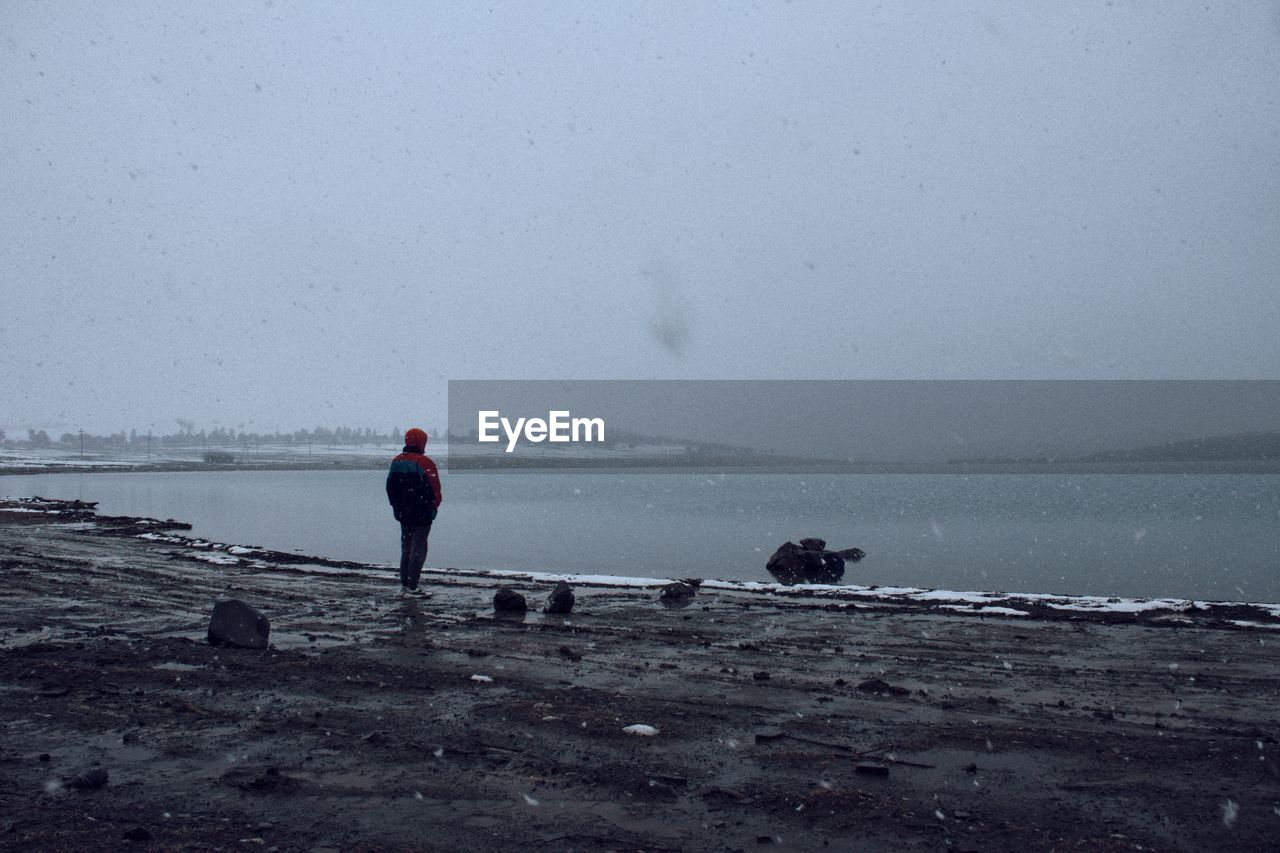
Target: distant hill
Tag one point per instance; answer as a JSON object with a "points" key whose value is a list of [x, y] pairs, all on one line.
{"points": [[1243, 447]]}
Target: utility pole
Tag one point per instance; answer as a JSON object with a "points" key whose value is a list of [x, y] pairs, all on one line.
{"points": [[82, 442]]}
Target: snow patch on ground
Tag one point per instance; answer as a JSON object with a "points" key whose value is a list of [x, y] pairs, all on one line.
{"points": [[218, 559]]}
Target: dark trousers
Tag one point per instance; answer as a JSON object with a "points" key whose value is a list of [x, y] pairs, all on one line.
{"points": [[413, 552]]}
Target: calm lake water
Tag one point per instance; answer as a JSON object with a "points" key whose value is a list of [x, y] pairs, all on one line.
{"points": [[1209, 536]]}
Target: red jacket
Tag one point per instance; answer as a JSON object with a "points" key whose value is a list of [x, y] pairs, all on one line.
{"points": [[413, 487]]}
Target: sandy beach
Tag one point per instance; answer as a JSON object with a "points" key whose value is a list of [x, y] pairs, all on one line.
{"points": [[781, 718]]}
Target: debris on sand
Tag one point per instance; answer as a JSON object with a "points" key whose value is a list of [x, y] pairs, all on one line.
{"points": [[94, 777], [259, 779], [641, 729], [877, 685]]}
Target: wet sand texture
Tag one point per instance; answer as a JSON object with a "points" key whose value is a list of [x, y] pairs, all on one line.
{"points": [[745, 720]]}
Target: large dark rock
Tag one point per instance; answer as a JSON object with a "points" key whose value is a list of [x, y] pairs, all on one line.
{"points": [[677, 591], [560, 600], [238, 625], [507, 600], [677, 595], [810, 562]]}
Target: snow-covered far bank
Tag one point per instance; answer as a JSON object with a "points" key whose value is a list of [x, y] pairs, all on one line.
{"points": [[18, 458]]}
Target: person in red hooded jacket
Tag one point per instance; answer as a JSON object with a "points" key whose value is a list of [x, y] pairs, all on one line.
{"points": [[413, 488]]}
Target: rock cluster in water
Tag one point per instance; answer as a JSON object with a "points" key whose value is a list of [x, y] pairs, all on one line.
{"points": [[810, 562]]}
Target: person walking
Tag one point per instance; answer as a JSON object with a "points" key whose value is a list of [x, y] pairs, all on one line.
{"points": [[413, 488]]}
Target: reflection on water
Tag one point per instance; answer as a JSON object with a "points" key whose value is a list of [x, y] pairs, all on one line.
{"points": [[1212, 536]]}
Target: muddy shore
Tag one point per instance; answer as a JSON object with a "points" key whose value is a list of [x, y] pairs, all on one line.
{"points": [[783, 721]]}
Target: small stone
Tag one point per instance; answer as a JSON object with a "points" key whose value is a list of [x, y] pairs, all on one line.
{"points": [[507, 600], [236, 624], [560, 600], [137, 833], [761, 675]]}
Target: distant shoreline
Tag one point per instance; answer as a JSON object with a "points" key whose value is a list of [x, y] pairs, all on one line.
{"points": [[178, 467], [720, 465]]}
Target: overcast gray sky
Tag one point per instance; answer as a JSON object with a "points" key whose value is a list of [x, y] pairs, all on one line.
{"points": [[282, 215]]}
